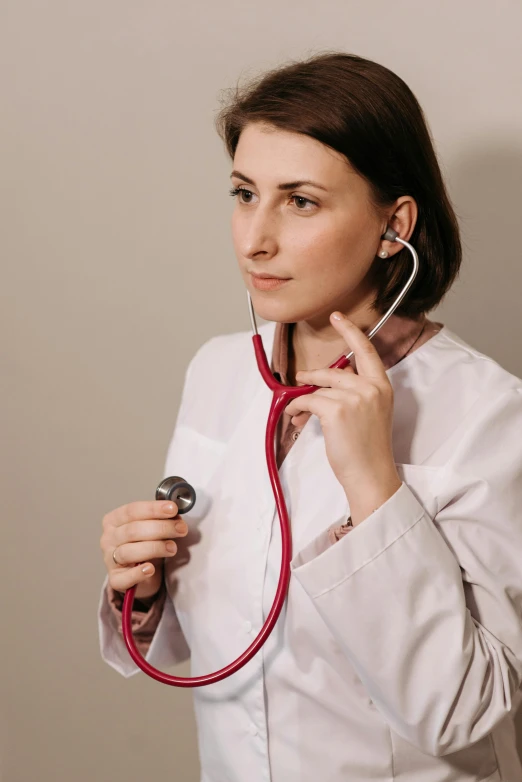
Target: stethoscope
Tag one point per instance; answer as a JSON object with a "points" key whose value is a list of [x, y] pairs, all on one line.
{"points": [[182, 493]]}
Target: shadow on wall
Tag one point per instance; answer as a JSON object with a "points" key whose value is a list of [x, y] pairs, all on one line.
{"points": [[485, 185]]}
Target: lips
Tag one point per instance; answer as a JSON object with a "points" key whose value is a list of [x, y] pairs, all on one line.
{"points": [[268, 277], [268, 283]]}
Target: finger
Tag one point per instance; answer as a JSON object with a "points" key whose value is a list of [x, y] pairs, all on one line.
{"points": [[366, 356], [299, 419], [329, 378], [146, 509], [133, 553], [319, 403], [301, 404], [150, 529], [125, 578]]}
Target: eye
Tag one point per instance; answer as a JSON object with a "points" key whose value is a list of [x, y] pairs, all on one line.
{"points": [[235, 191], [306, 201]]}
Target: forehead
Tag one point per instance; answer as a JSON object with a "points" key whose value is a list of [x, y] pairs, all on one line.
{"points": [[266, 150]]}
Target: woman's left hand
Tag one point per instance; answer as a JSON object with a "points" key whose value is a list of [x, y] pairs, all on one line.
{"points": [[356, 413]]}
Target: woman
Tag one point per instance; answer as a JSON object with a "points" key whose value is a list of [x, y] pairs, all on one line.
{"points": [[398, 654]]}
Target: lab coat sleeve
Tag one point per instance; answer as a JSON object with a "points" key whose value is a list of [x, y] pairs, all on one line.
{"points": [[144, 623], [168, 645], [429, 610]]}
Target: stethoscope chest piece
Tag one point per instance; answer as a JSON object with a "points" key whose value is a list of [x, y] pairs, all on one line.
{"points": [[177, 490]]}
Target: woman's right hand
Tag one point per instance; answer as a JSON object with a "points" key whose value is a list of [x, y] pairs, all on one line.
{"points": [[143, 533]]}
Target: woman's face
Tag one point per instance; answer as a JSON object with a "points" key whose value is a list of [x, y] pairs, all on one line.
{"points": [[323, 237]]}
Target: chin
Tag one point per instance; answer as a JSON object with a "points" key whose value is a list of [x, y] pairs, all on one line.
{"points": [[283, 308], [280, 317], [271, 310]]}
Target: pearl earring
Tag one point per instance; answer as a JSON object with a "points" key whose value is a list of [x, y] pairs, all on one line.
{"points": [[383, 254]]}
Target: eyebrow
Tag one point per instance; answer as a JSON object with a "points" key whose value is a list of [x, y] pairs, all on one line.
{"points": [[284, 185]]}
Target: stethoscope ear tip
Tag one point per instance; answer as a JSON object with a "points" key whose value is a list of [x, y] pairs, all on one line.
{"points": [[390, 235]]}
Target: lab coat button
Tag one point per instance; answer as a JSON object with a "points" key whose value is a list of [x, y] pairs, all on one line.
{"points": [[247, 627], [252, 729]]}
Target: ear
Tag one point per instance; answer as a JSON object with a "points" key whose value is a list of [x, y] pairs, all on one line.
{"points": [[402, 219]]}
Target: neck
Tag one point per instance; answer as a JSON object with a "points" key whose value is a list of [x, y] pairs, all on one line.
{"points": [[316, 344]]}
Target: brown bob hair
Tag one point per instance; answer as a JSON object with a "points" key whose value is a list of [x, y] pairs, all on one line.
{"points": [[370, 115]]}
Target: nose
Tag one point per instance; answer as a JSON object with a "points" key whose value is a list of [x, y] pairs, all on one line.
{"points": [[258, 233]]}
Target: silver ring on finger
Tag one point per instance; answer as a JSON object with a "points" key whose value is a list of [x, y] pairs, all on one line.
{"points": [[114, 557]]}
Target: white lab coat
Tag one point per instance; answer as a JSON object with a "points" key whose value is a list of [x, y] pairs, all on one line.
{"points": [[399, 653]]}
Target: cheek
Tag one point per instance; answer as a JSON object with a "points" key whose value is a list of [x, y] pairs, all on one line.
{"points": [[312, 243], [333, 250]]}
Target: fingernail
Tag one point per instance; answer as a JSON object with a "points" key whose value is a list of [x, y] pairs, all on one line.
{"points": [[170, 546], [148, 569], [168, 508], [180, 526], [337, 316]]}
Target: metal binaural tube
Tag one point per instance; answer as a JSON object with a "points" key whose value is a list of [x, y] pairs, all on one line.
{"points": [[391, 236]]}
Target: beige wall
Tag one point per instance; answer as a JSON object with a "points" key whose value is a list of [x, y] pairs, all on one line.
{"points": [[115, 239]]}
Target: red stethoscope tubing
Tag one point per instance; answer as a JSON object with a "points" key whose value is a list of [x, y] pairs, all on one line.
{"points": [[282, 395]]}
